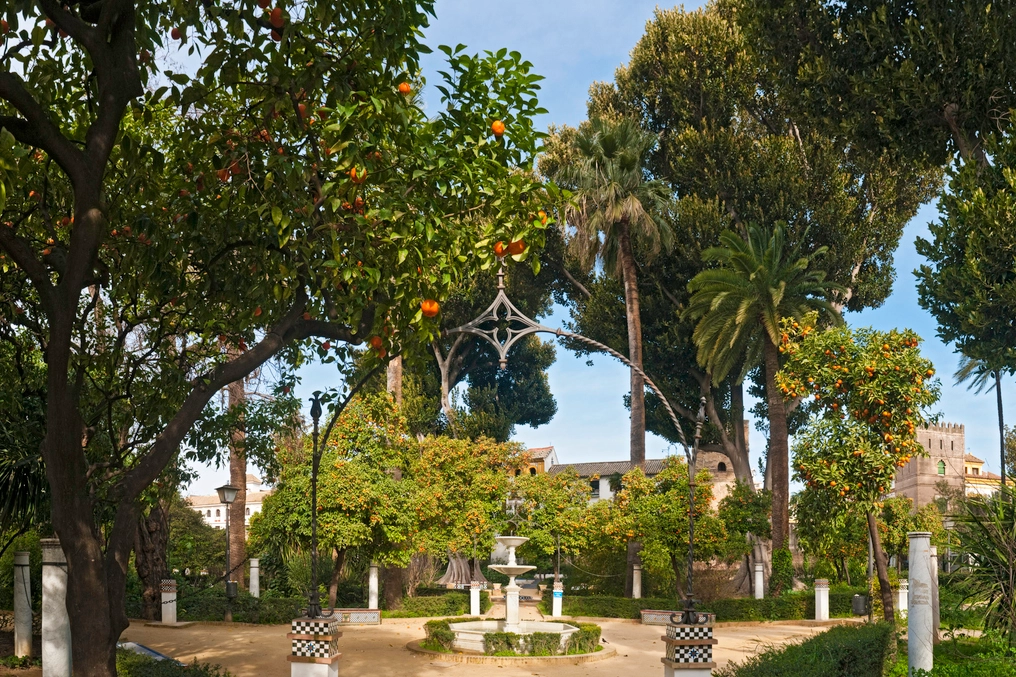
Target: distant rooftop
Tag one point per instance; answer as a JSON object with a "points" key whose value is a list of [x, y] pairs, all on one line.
{"points": [[253, 479], [252, 497], [653, 466], [970, 458], [537, 453]]}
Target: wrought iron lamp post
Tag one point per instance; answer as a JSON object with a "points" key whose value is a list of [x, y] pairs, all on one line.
{"points": [[314, 603], [227, 494]]}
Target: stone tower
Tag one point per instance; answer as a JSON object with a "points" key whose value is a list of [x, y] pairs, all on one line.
{"points": [[946, 446]]}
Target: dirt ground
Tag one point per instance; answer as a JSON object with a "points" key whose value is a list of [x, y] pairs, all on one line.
{"points": [[261, 650]]}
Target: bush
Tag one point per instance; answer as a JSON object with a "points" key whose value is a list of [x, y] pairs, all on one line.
{"points": [[210, 605], [782, 578], [449, 604], [130, 664], [544, 644], [843, 651], [439, 636], [503, 644], [586, 640]]}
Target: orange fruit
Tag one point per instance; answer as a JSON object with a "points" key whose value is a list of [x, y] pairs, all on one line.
{"points": [[277, 36], [405, 88], [176, 33], [499, 249], [257, 312], [376, 343], [430, 307], [263, 4], [357, 176], [517, 247], [543, 217], [497, 127], [275, 18], [223, 174]]}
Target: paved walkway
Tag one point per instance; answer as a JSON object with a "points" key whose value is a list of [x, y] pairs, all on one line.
{"points": [[261, 650]]}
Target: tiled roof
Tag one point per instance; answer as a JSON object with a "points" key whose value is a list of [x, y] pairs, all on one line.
{"points": [[984, 475], [540, 452], [252, 497], [652, 467], [253, 479], [970, 458]]}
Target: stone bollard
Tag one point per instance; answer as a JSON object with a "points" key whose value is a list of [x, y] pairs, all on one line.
{"points": [[315, 651], [474, 598], [372, 587], [821, 599], [168, 588], [22, 605], [920, 615], [511, 602], [636, 581], [903, 597], [937, 620], [557, 601], [689, 647], [56, 623], [759, 582], [255, 577]]}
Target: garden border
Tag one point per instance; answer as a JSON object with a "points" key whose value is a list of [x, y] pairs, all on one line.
{"points": [[482, 659]]}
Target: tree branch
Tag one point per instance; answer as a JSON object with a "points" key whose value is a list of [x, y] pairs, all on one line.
{"points": [[37, 129]]}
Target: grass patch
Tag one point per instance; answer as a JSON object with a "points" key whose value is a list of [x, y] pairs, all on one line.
{"points": [[130, 664], [989, 656]]}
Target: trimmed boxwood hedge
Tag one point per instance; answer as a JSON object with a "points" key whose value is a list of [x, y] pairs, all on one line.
{"points": [[449, 604], [440, 638], [130, 664], [844, 651], [789, 606]]}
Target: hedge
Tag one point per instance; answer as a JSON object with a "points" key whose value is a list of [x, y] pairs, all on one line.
{"points": [[789, 606], [449, 604], [844, 651], [130, 664], [587, 640]]}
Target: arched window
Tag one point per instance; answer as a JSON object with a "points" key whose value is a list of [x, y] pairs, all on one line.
{"points": [[722, 467], [941, 467], [208, 513], [217, 513], [248, 512], [517, 472], [532, 471]]}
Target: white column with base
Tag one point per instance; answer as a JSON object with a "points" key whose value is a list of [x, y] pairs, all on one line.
{"points": [[636, 581], [168, 588], [821, 599], [759, 582], [255, 577], [474, 598], [511, 601], [56, 623], [315, 647], [557, 601], [935, 612], [689, 649], [920, 615], [372, 587], [22, 605], [903, 598]]}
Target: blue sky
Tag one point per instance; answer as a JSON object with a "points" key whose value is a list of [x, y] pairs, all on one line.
{"points": [[574, 44]]}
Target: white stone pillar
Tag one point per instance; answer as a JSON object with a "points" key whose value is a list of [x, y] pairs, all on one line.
{"points": [[315, 647], [903, 598], [557, 600], [22, 605], [759, 581], [937, 621], [636, 581], [372, 587], [56, 623], [920, 615], [821, 599], [474, 598], [168, 588], [255, 577], [511, 600]]}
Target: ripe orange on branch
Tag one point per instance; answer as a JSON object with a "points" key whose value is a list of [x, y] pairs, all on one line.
{"points": [[405, 88], [497, 127], [430, 307], [517, 247], [376, 343], [275, 18], [357, 177], [499, 249]]}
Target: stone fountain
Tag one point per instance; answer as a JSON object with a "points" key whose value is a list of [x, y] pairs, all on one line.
{"points": [[469, 636]]}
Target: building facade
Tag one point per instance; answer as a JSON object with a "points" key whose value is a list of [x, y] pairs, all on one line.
{"points": [[947, 466], [213, 511]]}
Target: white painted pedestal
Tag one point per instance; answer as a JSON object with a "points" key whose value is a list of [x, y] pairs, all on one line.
{"points": [[56, 623], [920, 615], [372, 587], [636, 581], [168, 589], [759, 582], [22, 605], [821, 599], [903, 598], [511, 600], [255, 577], [315, 647], [474, 599], [557, 601]]}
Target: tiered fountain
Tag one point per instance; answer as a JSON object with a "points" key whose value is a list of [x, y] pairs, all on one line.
{"points": [[469, 636]]}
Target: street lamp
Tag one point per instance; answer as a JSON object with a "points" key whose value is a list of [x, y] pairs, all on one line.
{"points": [[689, 615], [314, 603], [227, 494]]}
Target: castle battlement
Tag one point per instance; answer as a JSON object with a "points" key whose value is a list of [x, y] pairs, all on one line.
{"points": [[945, 428]]}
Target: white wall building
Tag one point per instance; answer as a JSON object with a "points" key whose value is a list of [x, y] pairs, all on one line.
{"points": [[214, 511]]}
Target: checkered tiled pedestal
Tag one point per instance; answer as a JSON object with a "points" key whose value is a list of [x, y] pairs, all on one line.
{"points": [[315, 651], [689, 651]]}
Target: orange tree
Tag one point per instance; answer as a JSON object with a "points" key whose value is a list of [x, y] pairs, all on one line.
{"points": [[283, 194], [553, 513], [868, 391]]}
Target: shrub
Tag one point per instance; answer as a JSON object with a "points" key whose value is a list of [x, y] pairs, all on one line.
{"points": [[503, 644], [782, 578], [544, 644], [843, 651], [586, 640], [439, 636], [210, 605], [449, 604], [130, 664]]}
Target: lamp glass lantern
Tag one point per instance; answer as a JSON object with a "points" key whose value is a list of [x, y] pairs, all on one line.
{"points": [[227, 493]]}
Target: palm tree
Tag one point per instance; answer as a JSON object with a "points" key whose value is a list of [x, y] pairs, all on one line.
{"points": [[981, 374], [739, 306], [617, 207]]}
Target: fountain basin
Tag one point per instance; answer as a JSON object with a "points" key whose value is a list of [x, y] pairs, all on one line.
{"points": [[511, 570], [469, 635], [511, 542]]}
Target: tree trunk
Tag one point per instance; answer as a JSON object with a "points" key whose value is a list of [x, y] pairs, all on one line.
{"points": [[392, 584], [778, 461], [1001, 422], [150, 550], [680, 574], [882, 568], [637, 445], [333, 585], [238, 478], [395, 379]]}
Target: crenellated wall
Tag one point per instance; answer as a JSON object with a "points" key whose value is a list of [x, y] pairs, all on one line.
{"points": [[945, 444]]}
